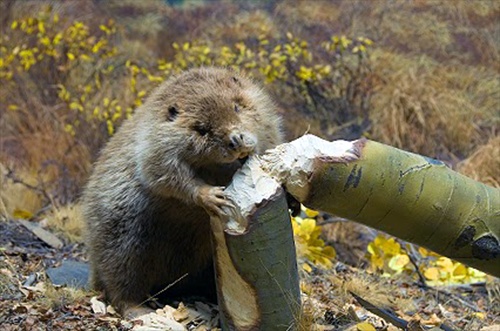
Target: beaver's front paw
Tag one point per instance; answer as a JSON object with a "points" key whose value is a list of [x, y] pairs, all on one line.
{"points": [[213, 198]]}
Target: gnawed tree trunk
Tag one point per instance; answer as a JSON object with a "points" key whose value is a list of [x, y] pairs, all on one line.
{"points": [[255, 260], [412, 197], [409, 196]]}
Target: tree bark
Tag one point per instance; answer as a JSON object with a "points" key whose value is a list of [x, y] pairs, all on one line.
{"points": [[409, 196], [255, 259]]}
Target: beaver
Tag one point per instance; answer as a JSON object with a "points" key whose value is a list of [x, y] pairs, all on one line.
{"points": [[148, 202]]}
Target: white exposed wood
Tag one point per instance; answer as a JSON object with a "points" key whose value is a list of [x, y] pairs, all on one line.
{"points": [[292, 164]]}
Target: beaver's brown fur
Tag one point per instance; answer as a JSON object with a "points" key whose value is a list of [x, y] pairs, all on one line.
{"points": [[148, 200]]}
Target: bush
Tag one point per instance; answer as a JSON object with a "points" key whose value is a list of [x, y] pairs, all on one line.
{"points": [[72, 77]]}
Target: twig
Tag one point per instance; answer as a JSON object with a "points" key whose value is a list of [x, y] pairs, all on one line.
{"points": [[389, 316], [163, 290], [385, 314], [421, 278], [11, 175], [423, 284], [456, 297]]}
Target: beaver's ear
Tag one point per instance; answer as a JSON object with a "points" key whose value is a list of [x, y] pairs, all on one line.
{"points": [[173, 111]]}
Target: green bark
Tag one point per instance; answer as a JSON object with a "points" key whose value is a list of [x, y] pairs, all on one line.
{"points": [[412, 197], [255, 263]]}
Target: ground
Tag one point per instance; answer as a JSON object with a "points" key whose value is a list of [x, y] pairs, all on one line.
{"points": [[28, 300]]}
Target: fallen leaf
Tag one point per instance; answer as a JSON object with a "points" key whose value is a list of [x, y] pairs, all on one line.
{"points": [[39, 287], [365, 326], [98, 307], [6, 272], [181, 313], [111, 310], [155, 322], [22, 214]]}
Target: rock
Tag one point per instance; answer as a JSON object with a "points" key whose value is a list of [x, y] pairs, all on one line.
{"points": [[71, 273]]}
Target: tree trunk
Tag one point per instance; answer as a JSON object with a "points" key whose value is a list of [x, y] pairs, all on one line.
{"points": [[255, 260], [410, 196]]}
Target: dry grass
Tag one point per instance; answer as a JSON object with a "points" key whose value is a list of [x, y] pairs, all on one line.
{"points": [[374, 290], [40, 141], [309, 313], [432, 109], [17, 196], [8, 285], [66, 220], [484, 164], [57, 298], [349, 240], [370, 290], [243, 26]]}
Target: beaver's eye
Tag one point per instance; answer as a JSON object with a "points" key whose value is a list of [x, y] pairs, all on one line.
{"points": [[202, 130], [236, 108], [172, 113]]}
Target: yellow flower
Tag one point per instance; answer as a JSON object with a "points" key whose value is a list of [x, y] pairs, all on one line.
{"points": [[304, 73]]}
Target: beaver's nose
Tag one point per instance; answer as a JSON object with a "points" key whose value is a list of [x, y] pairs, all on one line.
{"points": [[241, 141]]}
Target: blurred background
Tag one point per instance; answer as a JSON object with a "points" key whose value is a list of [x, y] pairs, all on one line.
{"points": [[420, 75]]}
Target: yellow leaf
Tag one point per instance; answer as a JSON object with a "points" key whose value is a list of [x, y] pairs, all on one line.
{"points": [[479, 315], [14, 25], [398, 262], [12, 107], [21, 213], [379, 240], [308, 225], [57, 39], [424, 252], [41, 27], [372, 249], [391, 247], [432, 273], [309, 212], [329, 252], [307, 268], [476, 273], [324, 262], [75, 106], [316, 242], [71, 56], [377, 262], [459, 272], [445, 264], [365, 326], [111, 128], [69, 129]]}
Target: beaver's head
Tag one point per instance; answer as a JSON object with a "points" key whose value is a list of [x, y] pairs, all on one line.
{"points": [[215, 114]]}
